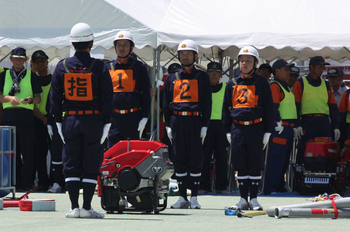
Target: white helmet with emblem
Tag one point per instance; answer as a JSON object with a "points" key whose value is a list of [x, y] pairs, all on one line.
{"points": [[124, 35], [249, 51], [188, 45]]}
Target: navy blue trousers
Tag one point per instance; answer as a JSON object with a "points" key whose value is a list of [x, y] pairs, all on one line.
{"points": [[280, 147], [83, 153]]}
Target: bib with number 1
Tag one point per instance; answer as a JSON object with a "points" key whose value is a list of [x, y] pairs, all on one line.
{"points": [[123, 80]]}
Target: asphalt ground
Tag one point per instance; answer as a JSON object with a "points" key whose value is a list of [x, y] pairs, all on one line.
{"points": [[210, 218]]}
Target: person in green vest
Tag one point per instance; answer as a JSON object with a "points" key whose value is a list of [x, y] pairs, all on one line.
{"points": [[317, 108], [39, 63], [19, 91], [2, 69], [281, 140], [215, 142]]}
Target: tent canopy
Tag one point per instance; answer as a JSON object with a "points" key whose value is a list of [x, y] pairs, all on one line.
{"points": [[296, 29]]}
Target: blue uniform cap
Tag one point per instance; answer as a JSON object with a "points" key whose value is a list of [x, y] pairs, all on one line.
{"points": [[18, 52], [281, 63], [294, 70], [335, 72], [318, 60]]}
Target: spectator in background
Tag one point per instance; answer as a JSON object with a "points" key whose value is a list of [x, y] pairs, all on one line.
{"points": [[39, 63], [265, 71], [281, 142], [316, 107], [336, 81], [215, 142], [293, 76], [2, 69], [344, 110], [19, 90]]}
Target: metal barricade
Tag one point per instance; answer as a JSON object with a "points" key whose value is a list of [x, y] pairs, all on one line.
{"points": [[7, 160]]}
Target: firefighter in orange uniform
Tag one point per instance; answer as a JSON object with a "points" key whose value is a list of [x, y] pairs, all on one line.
{"points": [[248, 116], [187, 108], [82, 89], [131, 87]]}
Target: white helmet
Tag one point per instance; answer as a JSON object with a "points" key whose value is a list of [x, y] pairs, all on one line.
{"points": [[124, 35], [81, 32], [249, 51], [187, 44]]}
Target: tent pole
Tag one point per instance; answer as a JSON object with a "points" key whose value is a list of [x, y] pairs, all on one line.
{"points": [[153, 81], [158, 92]]}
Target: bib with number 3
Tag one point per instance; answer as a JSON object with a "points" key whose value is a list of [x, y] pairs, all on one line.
{"points": [[243, 96]]}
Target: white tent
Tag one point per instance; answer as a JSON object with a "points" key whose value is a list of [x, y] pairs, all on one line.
{"points": [[296, 29]]}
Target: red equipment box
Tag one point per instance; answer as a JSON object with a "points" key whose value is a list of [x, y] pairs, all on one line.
{"points": [[321, 154]]}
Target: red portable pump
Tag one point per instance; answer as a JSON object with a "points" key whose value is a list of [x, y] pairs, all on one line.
{"points": [[135, 172], [323, 169]]}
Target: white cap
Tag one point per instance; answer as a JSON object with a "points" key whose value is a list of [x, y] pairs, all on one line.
{"points": [[124, 35], [186, 45], [249, 51], [81, 32]]}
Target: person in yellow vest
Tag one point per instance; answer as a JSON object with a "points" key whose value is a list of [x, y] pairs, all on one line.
{"points": [[281, 140], [19, 91], [344, 110], [2, 69], [215, 142], [39, 63], [317, 108]]}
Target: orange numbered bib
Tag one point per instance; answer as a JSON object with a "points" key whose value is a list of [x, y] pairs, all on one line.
{"points": [[243, 96], [185, 91], [78, 86], [122, 80]]}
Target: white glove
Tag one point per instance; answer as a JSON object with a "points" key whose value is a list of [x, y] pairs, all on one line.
{"points": [[49, 130], [228, 137], [203, 133], [336, 134], [295, 133], [105, 132], [170, 134], [142, 125], [279, 128], [59, 128], [266, 139], [300, 132]]}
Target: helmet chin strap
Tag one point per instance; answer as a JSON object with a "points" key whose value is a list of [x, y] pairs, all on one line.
{"points": [[253, 69], [188, 65], [250, 72]]}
